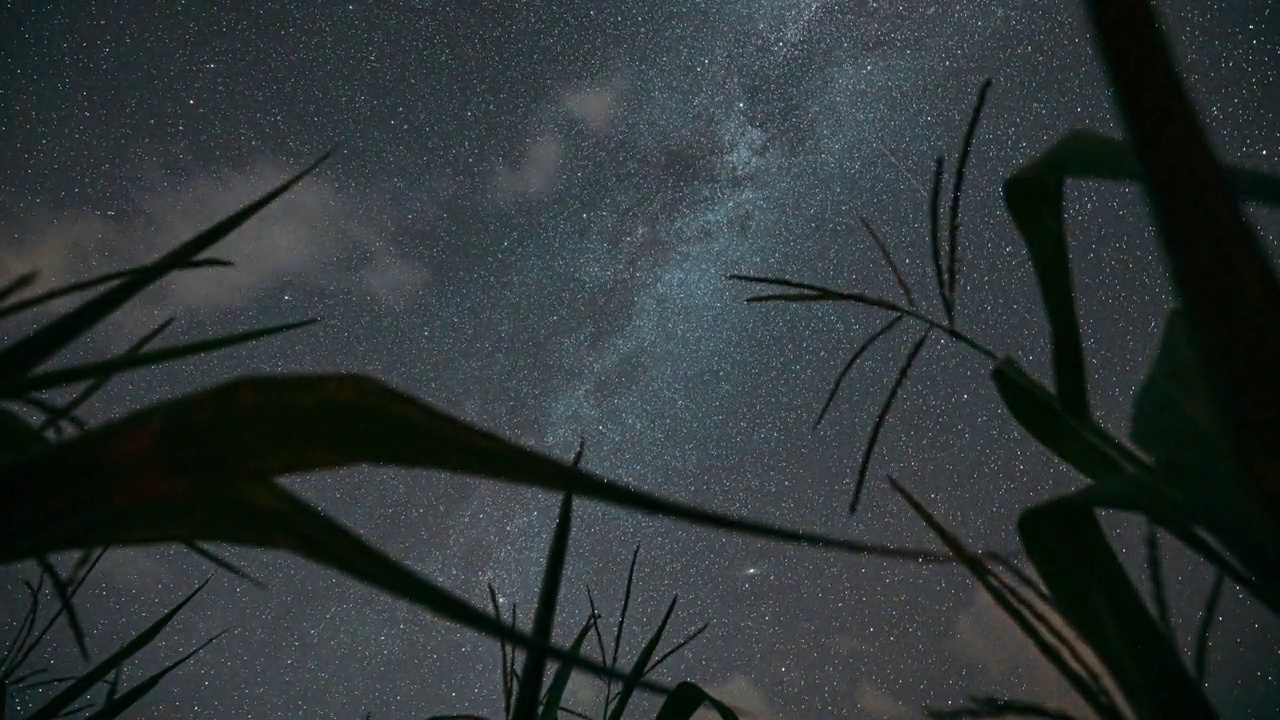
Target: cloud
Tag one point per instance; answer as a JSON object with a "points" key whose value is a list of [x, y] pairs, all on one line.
{"points": [[314, 234], [536, 173], [744, 696], [593, 104], [987, 637], [597, 104], [880, 704]]}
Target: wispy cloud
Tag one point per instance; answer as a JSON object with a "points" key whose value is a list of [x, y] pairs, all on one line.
{"points": [[313, 235]]}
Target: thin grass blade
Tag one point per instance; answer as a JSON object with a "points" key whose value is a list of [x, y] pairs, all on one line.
{"points": [[58, 293], [560, 681], [63, 592], [869, 451], [626, 603], [101, 381], [507, 694], [677, 648], [223, 564], [18, 284], [1201, 657], [637, 673], [535, 660], [97, 371], [1005, 597], [957, 187], [848, 366], [1155, 574], [114, 707], [935, 241], [883, 247]]}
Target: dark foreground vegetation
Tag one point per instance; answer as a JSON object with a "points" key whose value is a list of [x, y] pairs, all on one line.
{"points": [[1202, 463]]}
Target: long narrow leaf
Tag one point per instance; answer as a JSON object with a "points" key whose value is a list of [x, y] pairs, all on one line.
{"points": [[17, 284], [869, 451], [101, 381], [507, 690], [953, 223], [535, 660], [935, 241], [560, 681], [1034, 198], [1075, 673], [63, 593], [677, 647], [1094, 594], [883, 247], [642, 660], [1201, 661], [58, 293], [115, 706], [138, 360], [848, 366]]}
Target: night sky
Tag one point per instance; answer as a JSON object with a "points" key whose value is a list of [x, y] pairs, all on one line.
{"points": [[528, 222]]}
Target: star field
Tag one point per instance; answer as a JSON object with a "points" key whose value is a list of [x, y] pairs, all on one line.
{"points": [[528, 222]]}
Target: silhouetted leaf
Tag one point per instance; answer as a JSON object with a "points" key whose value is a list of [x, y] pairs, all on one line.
{"points": [[535, 660], [1174, 422], [201, 468], [642, 661], [115, 706], [1093, 593], [560, 681], [1034, 198], [1057, 649], [1221, 272], [686, 699], [101, 369], [58, 293], [17, 436]]}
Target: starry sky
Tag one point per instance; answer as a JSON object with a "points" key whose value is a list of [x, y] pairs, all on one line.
{"points": [[528, 223]]}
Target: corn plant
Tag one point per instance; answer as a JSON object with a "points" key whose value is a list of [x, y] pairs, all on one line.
{"points": [[1201, 462], [202, 468]]}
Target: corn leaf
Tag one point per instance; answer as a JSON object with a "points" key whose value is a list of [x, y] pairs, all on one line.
{"points": [[202, 468], [1034, 198], [1091, 590], [686, 699], [1174, 422], [1221, 272]]}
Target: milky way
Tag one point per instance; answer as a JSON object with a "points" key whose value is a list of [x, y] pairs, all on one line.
{"points": [[528, 222]]}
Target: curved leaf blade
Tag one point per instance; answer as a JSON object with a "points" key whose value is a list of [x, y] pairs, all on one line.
{"points": [[1092, 591], [686, 699]]}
